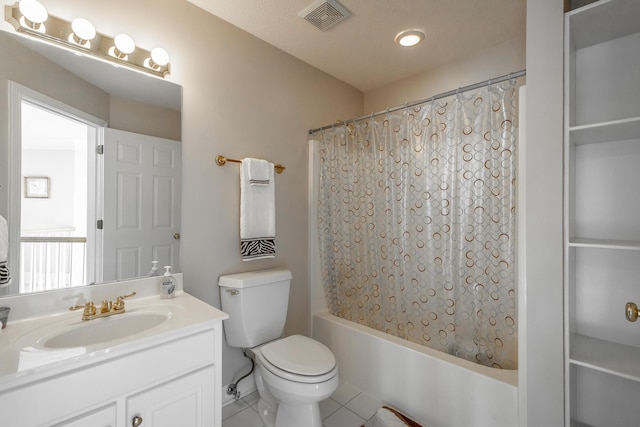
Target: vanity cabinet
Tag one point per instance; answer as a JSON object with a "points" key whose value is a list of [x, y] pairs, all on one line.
{"points": [[167, 376], [602, 213], [172, 383]]}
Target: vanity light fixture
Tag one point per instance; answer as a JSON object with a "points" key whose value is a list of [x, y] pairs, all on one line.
{"points": [[33, 15], [408, 38], [81, 37], [83, 32]]}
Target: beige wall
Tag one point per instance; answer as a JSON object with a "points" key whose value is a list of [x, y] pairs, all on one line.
{"points": [[138, 117], [241, 97], [497, 60]]}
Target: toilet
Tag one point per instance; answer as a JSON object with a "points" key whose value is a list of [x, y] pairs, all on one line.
{"points": [[292, 374]]}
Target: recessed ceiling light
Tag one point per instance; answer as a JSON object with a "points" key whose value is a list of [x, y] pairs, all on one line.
{"points": [[408, 38]]}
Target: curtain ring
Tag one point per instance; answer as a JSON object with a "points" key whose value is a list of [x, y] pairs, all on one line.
{"points": [[348, 129]]}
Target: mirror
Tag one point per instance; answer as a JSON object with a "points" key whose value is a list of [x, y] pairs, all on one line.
{"points": [[134, 116]]}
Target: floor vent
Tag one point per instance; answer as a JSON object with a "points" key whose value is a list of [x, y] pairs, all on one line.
{"points": [[324, 14]]}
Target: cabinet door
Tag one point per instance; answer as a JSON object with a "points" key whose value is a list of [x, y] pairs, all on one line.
{"points": [[103, 417], [186, 402]]}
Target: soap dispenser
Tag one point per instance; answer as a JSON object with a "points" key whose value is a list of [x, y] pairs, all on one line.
{"points": [[167, 284], [154, 269]]}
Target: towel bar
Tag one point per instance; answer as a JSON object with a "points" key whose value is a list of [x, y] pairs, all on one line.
{"points": [[221, 160]]}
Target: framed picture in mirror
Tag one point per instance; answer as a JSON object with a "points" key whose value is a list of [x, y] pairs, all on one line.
{"points": [[36, 187]]}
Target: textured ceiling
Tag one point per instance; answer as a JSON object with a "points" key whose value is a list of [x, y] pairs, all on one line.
{"points": [[360, 50]]}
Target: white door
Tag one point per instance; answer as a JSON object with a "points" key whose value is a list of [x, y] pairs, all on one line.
{"points": [[141, 203]]}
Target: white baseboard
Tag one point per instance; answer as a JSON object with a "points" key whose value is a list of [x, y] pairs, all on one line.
{"points": [[246, 387]]}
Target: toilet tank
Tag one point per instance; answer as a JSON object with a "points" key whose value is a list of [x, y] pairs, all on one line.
{"points": [[256, 302]]}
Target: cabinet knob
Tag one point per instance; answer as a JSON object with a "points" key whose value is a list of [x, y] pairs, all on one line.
{"points": [[136, 421], [631, 311]]}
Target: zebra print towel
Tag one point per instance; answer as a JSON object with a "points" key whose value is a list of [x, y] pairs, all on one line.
{"points": [[257, 248], [257, 215], [5, 276]]}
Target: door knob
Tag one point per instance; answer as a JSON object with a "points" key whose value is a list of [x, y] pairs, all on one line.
{"points": [[176, 236], [631, 311], [136, 421]]}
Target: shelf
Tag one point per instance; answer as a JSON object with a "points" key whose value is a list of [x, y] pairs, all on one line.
{"points": [[617, 130], [592, 24], [627, 245], [605, 356]]}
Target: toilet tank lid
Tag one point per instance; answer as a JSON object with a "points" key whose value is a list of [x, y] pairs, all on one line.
{"points": [[254, 278]]}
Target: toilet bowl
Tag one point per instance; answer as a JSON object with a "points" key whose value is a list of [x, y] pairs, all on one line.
{"points": [[293, 375]]}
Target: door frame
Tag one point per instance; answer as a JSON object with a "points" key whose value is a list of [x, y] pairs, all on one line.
{"points": [[17, 94]]}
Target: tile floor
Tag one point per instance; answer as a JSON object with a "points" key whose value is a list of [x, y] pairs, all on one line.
{"points": [[347, 407]]}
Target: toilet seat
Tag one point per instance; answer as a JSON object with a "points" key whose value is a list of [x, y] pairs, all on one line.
{"points": [[298, 358]]}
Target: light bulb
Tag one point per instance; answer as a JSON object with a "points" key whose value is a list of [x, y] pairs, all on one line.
{"points": [[410, 40], [159, 56], [83, 32], [33, 12], [124, 45]]}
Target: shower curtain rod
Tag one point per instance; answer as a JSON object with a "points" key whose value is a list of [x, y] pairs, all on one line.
{"points": [[430, 99]]}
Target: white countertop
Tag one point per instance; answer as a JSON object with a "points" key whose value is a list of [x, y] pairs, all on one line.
{"points": [[23, 358]]}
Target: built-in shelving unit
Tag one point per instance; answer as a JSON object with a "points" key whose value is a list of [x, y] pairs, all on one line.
{"points": [[602, 213]]}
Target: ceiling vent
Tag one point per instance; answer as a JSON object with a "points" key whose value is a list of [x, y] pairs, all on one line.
{"points": [[324, 14]]}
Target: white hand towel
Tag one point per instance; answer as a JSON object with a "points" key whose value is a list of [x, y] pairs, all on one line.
{"points": [[257, 215], [5, 276], [259, 171]]}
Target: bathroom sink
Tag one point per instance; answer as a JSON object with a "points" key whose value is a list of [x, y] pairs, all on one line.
{"points": [[104, 330]]}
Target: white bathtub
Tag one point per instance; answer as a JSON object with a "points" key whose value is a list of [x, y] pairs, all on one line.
{"points": [[434, 387]]}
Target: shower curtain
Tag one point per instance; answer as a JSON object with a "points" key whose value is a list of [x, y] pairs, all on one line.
{"points": [[416, 217]]}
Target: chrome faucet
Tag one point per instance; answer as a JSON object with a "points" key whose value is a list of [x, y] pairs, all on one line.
{"points": [[107, 308]]}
